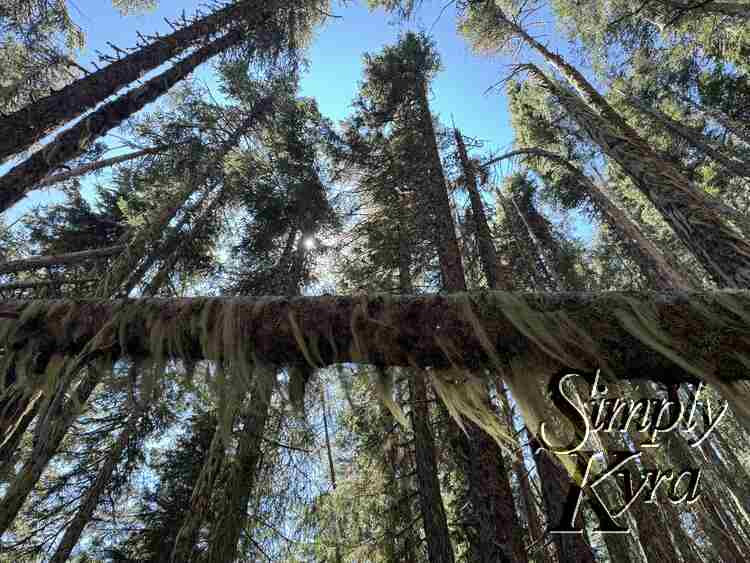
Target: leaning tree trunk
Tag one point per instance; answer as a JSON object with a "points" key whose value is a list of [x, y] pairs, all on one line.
{"points": [[653, 264], [504, 517], [45, 448], [99, 165], [29, 125], [129, 270], [244, 468], [14, 433], [695, 138], [437, 201], [59, 424], [200, 500], [496, 275], [91, 499], [36, 262], [74, 141], [691, 213]]}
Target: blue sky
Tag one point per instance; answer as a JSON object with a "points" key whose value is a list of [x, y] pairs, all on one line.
{"points": [[459, 91]]}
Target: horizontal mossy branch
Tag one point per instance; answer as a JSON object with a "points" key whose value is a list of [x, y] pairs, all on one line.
{"points": [[666, 337]]}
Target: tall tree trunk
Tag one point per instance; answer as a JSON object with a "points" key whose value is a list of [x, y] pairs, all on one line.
{"points": [[497, 277], [691, 213], [489, 486], [332, 471], [200, 500], [243, 472], [30, 124], [435, 523], [438, 203], [652, 263], [72, 142], [556, 483], [437, 535], [89, 502]]}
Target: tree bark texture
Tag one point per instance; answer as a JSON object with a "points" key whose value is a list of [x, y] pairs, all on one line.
{"points": [[30, 124], [691, 213], [72, 142], [704, 329]]}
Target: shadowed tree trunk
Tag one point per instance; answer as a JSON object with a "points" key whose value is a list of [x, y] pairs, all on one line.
{"points": [[72, 142], [439, 547], [36, 262], [489, 488], [691, 213], [556, 483], [487, 466], [653, 265], [29, 125], [200, 500], [496, 275]]}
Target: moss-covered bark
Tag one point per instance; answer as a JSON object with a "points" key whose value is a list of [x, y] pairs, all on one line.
{"points": [[636, 335]]}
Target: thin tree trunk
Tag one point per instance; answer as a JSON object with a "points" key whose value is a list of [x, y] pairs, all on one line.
{"points": [[200, 500], [695, 138], [535, 530], [439, 546], [89, 502], [690, 212], [36, 262], [497, 277], [30, 124], [72, 142], [489, 487], [98, 165], [434, 521], [12, 438], [243, 473], [332, 470], [653, 264], [58, 417], [738, 129], [45, 448], [128, 270], [44, 284]]}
